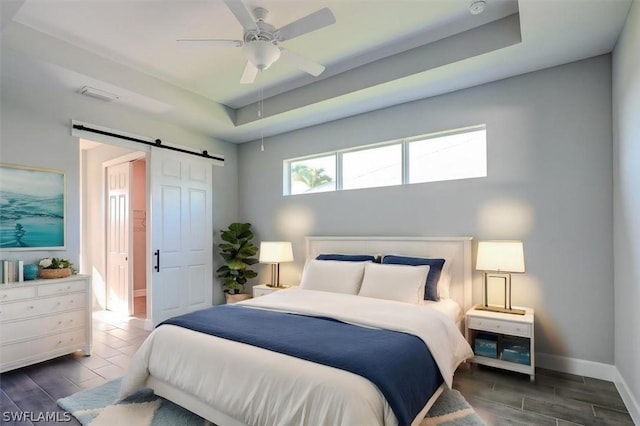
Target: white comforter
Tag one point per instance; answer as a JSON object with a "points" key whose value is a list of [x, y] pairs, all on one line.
{"points": [[260, 387]]}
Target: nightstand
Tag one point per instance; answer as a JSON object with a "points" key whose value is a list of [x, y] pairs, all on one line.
{"points": [[502, 340], [264, 289]]}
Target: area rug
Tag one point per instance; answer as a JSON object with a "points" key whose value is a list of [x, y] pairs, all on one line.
{"points": [[96, 407]]}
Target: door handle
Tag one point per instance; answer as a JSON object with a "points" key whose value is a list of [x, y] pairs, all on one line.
{"points": [[157, 255]]}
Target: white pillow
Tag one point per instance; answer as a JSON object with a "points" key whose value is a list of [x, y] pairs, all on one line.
{"points": [[403, 283], [333, 275]]}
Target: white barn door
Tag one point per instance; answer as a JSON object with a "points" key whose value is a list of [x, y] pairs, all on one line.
{"points": [[181, 234]]}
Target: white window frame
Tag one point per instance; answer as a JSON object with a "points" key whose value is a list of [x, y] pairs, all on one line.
{"points": [[404, 142]]}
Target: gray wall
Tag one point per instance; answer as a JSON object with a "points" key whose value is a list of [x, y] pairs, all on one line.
{"points": [[549, 183], [626, 126], [36, 131]]}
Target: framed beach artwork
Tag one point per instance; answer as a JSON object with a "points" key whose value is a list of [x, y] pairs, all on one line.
{"points": [[32, 208]]}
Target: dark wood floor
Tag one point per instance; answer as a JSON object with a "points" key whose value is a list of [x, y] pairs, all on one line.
{"points": [[500, 398]]}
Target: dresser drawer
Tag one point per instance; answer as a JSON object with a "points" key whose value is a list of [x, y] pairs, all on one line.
{"points": [[13, 294], [61, 288], [38, 347], [497, 326], [47, 305], [35, 327]]}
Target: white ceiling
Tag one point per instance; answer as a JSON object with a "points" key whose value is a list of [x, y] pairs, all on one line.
{"points": [[378, 53]]}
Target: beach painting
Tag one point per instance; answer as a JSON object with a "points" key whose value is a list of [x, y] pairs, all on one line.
{"points": [[32, 208]]}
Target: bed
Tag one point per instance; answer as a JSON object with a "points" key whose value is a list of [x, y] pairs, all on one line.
{"points": [[327, 356]]}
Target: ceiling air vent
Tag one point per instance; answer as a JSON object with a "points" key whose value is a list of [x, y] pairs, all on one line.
{"points": [[98, 94]]}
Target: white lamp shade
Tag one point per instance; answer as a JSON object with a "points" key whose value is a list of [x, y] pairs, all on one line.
{"points": [[501, 256], [275, 252]]}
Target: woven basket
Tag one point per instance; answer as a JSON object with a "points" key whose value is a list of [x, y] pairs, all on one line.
{"points": [[55, 273], [234, 298]]}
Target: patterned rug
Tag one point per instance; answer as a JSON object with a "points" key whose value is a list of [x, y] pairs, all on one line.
{"points": [[95, 407]]}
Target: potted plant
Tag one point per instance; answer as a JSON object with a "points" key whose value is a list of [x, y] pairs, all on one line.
{"points": [[55, 267], [238, 252]]}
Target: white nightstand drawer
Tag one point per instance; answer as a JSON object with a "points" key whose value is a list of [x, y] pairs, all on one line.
{"points": [[264, 289], [257, 292], [498, 326]]}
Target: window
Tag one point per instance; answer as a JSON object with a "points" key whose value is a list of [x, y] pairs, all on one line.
{"points": [[368, 168], [455, 154], [313, 175]]}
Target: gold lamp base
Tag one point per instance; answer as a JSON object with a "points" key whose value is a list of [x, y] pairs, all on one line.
{"points": [[500, 309], [277, 286]]}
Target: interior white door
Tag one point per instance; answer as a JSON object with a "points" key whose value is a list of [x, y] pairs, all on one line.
{"points": [[118, 242], [181, 234]]}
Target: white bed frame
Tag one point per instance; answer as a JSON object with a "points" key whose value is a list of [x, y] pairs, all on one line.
{"points": [[456, 250]]}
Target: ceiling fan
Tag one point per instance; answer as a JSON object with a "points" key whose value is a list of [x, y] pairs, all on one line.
{"points": [[261, 40]]}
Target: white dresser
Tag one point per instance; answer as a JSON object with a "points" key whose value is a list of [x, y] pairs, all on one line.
{"points": [[43, 319]]}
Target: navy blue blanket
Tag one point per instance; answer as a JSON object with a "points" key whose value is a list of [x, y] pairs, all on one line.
{"points": [[399, 364]]}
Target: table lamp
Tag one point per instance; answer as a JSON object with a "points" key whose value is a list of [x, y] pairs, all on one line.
{"points": [[275, 252], [498, 259]]}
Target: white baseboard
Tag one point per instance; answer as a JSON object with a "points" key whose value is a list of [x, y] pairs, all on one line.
{"points": [[580, 367], [140, 292], [596, 370], [629, 401]]}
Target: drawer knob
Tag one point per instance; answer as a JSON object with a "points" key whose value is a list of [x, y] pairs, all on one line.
{"points": [[31, 307], [4, 296], [59, 322]]}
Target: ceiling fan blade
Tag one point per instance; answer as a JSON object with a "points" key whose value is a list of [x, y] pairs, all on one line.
{"points": [[249, 74], [209, 42], [312, 22], [242, 14], [304, 64]]}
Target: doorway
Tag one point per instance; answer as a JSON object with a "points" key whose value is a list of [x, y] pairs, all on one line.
{"points": [[114, 226]]}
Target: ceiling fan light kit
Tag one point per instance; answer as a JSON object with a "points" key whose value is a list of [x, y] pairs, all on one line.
{"points": [[261, 40], [261, 53]]}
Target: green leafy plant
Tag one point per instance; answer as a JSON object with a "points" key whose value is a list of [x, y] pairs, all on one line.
{"points": [[238, 251], [56, 263]]}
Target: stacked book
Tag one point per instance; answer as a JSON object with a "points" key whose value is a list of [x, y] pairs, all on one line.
{"points": [[11, 271]]}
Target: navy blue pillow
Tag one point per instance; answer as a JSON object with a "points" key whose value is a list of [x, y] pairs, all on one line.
{"points": [[435, 269], [347, 257]]}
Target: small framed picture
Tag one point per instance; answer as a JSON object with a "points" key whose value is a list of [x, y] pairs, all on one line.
{"points": [[32, 208]]}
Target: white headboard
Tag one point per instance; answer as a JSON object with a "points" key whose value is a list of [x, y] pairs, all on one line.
{"points": [[456, 250]]}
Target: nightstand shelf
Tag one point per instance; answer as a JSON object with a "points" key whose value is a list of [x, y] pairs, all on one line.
{"points": [[506, 341]]}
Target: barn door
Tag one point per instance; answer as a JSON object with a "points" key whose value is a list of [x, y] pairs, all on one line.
{"points": [[181, 234]]}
